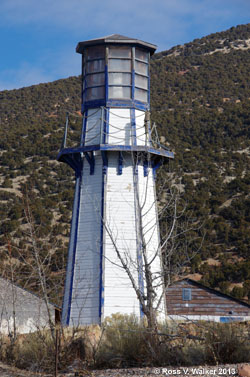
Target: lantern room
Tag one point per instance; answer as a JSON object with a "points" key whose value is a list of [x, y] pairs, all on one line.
{"points": [[115, 72]]}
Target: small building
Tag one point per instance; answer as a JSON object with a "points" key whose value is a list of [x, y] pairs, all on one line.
{"points": [[22, 311], [189, 300]]}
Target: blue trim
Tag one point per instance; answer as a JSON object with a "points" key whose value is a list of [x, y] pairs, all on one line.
{"points": [[101, 286], [145, 168], [133, 84], [93, 104], [75, 221], [127, 104], [101, 278], [120, 163], [133, 126], [105, 161], [115, 103], [91, 160], [155, 166], [106, 147], [74, 160]]}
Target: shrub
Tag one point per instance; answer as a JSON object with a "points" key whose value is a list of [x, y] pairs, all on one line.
{"points": [[33, 352], [227, 343], [123, 342]]}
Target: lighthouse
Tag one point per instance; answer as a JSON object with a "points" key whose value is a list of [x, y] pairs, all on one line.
{"points": [[114, 227]]}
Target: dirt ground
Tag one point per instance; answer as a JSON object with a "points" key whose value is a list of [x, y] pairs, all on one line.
{"points": [[216, 371]]}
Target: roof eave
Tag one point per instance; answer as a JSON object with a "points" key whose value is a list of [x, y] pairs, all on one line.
{"points": [[107, 41]]}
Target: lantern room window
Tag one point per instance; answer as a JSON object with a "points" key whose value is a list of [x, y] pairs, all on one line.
{"points": [[94, 73], [119, 78], [120, 72], [141, 55], [95, 93], [127, 75], [141, 82], [141, 75], [95, 80]]}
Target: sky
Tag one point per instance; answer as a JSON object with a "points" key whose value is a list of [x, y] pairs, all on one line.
{"points": [[38, 37]]}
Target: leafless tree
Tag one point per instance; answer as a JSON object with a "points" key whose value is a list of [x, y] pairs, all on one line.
{"points": [[32, 269], [181, 240]]}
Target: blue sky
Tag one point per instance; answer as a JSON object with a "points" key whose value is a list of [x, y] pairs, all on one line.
{"points": [[38, 37]]}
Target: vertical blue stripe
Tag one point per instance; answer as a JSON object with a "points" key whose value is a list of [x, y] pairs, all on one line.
{"points": [[133, 126], [120, 163], [101, 277], [101, 282], [106, 127], [133, 75], [133, 84]]}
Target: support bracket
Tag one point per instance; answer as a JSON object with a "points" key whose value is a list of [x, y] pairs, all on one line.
{"points": [[90, 157]]}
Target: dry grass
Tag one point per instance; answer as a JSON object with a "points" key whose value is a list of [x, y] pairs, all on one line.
{"points": [[124, 342]]}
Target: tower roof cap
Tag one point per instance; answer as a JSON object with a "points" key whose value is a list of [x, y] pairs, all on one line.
{"points": [[115, 39]]}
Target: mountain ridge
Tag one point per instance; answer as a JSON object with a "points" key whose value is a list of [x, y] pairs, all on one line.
{"points": [[200, 103]]}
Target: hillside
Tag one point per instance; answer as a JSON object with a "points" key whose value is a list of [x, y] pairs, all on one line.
{"points": [[200, 96]]}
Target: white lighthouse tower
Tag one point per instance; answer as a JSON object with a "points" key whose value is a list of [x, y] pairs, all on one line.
{"points": [[114, 225]]}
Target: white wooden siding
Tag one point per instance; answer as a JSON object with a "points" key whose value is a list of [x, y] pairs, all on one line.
{"points": [[120, 231], [93, 127], [85, 294], [119, 295], [150, 230], [119, 127], [140, 127]]}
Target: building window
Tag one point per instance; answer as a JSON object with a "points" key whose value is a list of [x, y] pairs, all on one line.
{"points": [[186, 294]]}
